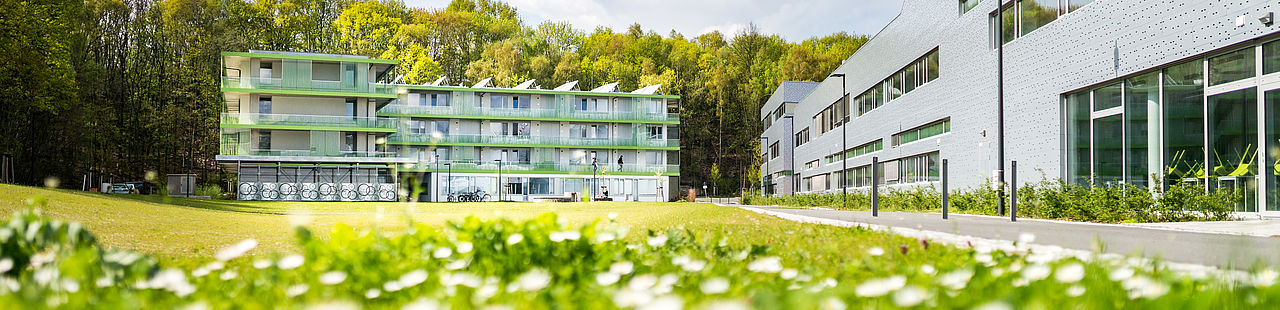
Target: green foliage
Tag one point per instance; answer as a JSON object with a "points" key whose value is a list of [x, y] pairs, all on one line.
{"points": [[1045, 199], [544, 263], [213, 191]]}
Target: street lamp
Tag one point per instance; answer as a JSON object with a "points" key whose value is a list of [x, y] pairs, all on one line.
{"points": [[844, 140], [764, 188], [450, 178], [499, 178], [435, 176], [595, 176]]}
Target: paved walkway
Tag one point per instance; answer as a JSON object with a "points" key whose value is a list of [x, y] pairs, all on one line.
{"points": [[1232, 251]]}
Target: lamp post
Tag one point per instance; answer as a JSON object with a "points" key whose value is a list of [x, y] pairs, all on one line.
{"points": [[764, 188], [595, 177], [435, 176], [450, 178], [844, 165], [499, 178]]}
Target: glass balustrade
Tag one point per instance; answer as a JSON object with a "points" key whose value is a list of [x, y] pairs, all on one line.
{"points": [[466, 165], [428, 139], [480, 112], [306, 85], [255, 119]]}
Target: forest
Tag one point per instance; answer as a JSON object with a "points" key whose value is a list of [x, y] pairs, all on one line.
{"points": [[130, 88]]}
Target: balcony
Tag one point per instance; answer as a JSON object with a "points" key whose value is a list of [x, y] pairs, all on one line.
{"points": [[533, 141], [464, 166], [458, 111], [309, 87], [309, 122]]}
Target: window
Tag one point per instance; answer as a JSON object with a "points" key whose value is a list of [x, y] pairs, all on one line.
{"points": [[539, 186], [1037, 13], [418, 127], [922, 132], [1008, 23], [777, 114], [1107, 97], [592, 105], [264, 140], [264, 105], [774, 150], [348, 142], [509, 128], [912, 76], [811, 165], [1183, 119], [1142, 103], [442, 153], [519, 156], [589, 131], [802, 137], [1108, 150], [1073, 5], [966, 5], [430, 100], [1231, 67], [351, 108], [865, 148], [264, 70], [1077, 109], [324, 71], [1271, 57], [917, 169], [1233, 140], [768, 121], [655, 132]]}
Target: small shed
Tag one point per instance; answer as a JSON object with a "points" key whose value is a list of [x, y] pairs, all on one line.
{"points": [[183, 185]]}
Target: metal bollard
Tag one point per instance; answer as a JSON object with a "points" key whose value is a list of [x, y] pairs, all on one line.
{"points": [[875, 184], [1013, 184], [944, 188]]}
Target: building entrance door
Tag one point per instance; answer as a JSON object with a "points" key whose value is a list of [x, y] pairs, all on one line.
{"points": [[1270, 162]]}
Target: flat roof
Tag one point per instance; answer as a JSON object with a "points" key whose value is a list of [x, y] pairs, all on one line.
{"points": [[310, 56]]}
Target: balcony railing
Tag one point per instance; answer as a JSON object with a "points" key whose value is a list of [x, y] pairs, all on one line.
{"points": [[256, 119], [306, 85], [467, 165], [459, 110], [241, 150], [429, 139]]}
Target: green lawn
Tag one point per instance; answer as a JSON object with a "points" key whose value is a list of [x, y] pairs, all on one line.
{"points": [[181, 227]]}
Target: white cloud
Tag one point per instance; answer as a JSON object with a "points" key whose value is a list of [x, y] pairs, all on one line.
{"points": [[794, 20]]}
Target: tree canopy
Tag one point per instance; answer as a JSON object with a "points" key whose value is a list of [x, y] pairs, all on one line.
{"points": [[123, 87]]}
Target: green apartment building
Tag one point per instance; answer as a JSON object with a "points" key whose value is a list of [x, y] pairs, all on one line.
{"points": [[325, 127]]}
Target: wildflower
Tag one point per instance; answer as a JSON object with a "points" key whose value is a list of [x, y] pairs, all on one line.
{"points": [[514, 238], [291, 261], [771, 264], [172, 280], [1036, 273], [879, 287], [228, 275], [534, 280], [908, 297], [39, 259], [928, 269], [995, 305], [555, 236], [333, 277], [875, 251], [262, 263], [623, 267], [296, 289], [613, 215], [832, 303], [70, 285], [715, 286], [1121, 274], [442, 252], [667, 302], [372, 293], [607, 278], [6, 264], [1075, 290], [1265, 278], [924, 243], [657, 241], [956, 280], [236, 250], [1145, 287], [641, 282], [631, 298], [665, 283], [413, 278], [788, 274], [604, 237], [457, 264], [464, 247], [903, 249], [1025, 238], [1071, 273], [694, 266], [392, 286]]}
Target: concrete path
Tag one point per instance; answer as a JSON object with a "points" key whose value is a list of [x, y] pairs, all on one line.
{"points": [[1232, 251]]}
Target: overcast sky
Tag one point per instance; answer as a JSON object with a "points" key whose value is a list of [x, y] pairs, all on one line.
{"points": [[794, 20]]}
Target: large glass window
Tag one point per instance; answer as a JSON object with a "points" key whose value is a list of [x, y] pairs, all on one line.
{"points": [[1230, 67], [1078, 138], [1037, 13], [1272, 165], [264, 140], [1008, 23], [966, 5], [1142, 100], [348, 141], [264, 105], [1271, 57], [1073, 5], [1108, 152], [931, 65], [1233, 138], [1107, 97], [1184, 151]]}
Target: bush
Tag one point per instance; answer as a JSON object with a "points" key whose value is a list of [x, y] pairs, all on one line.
{"points": [[1049, 199], [213, 191]]}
